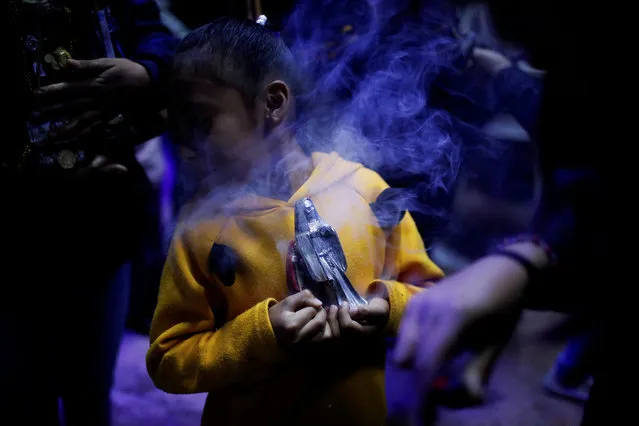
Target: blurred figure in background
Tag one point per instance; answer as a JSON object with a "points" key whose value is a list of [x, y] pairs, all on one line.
{"points": [[86, 85], [517, 88], [571, 228], [499, 185], [157, 158]]}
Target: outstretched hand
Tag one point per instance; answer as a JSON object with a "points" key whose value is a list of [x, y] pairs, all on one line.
{"points": [[98, 90], [435, 323]]}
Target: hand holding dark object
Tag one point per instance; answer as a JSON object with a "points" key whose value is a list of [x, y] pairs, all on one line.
{"points": [[99, 90], [437, 321], [298, 318]]}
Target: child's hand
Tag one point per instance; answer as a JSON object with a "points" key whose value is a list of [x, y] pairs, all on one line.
{"points": [[297, 318], [367, 319], [331, 327]]}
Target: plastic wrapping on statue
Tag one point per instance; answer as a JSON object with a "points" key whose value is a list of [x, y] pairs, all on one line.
{"points": [[316, 260]]}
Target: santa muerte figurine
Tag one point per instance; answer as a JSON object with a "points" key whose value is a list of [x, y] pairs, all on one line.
{"points": [[316, 259]]}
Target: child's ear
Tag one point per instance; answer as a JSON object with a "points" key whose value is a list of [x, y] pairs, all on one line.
{"points": [[277, 102]]}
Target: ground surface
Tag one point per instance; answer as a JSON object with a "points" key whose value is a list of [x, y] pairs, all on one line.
{"points": [[516, 397]]}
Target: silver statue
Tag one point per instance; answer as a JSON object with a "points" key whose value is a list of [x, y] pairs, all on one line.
{"points": [[316, 259]]}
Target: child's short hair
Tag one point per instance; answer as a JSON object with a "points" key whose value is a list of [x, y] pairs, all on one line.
{"points": [[237, 53]]}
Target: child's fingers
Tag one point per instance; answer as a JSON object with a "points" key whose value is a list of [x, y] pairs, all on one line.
{"points": [[313, 327], [326, 334], [358, 313], [333, 322], [302, 317], [343, 315], [375, 312], [345, 321], [302, 299], [331, 327], [348, 324]]}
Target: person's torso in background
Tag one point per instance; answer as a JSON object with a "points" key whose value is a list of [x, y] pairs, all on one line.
{"points": [[500, 184], [56, 219], [43, 35]]}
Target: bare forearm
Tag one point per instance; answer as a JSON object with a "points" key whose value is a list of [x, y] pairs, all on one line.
{"points": [[532, 252], [500, 281]]}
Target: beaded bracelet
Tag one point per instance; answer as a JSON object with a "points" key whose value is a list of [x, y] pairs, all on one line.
{"points": [[533, 239], [532, 271]]}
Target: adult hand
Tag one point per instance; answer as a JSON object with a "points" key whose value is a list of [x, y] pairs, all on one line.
{"points": [[100, 89], [437, 321]]}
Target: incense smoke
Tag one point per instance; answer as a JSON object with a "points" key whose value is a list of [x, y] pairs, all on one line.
{"points": [[370, 65], [373, 63]]}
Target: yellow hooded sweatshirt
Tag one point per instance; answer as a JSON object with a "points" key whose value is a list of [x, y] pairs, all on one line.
{"points": [[212, 333]]}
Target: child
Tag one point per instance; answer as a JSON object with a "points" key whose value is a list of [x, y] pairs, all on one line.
{"points": [[225, 321]]}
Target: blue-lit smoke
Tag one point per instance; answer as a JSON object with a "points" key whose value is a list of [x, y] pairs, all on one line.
{"points": [[373, 63]]}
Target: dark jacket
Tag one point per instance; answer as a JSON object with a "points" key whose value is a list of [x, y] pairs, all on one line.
{"points": [[144, 37], [568, 217], [86, 223], [520, 93], [575, 210], [135, 29]]}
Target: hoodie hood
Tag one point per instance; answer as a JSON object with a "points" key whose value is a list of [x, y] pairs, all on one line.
{"points": [[328, 170]]}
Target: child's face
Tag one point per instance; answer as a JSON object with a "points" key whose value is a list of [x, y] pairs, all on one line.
{"points": [[218, 129]]}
